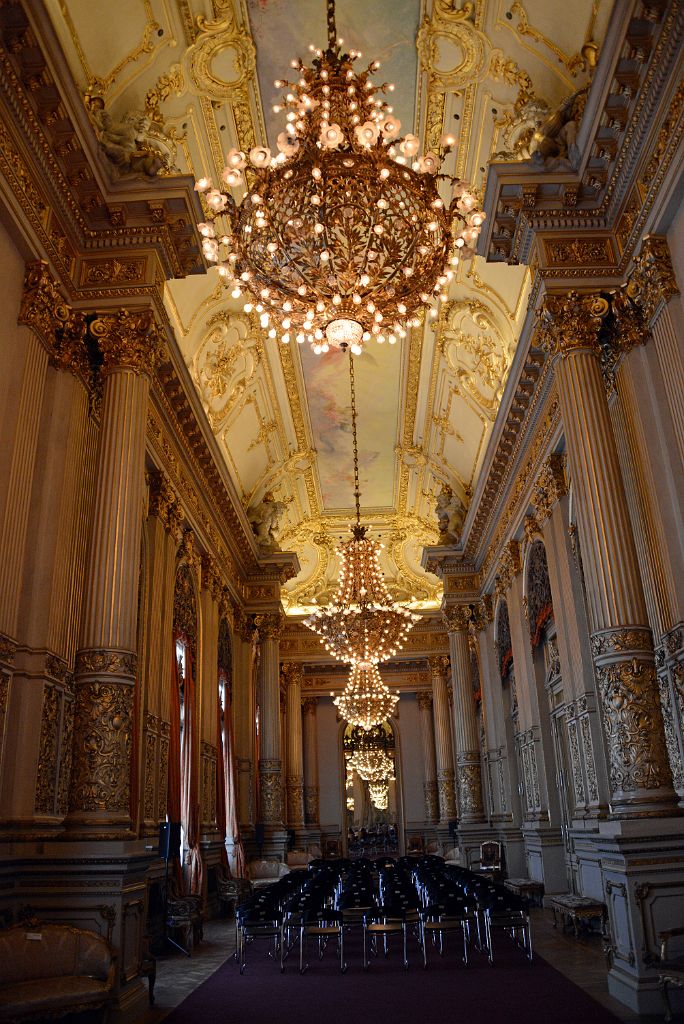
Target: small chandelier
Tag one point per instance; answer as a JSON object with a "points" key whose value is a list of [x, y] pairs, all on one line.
{"points": [[366, 700], [379, 794], [362, 624], [343, 236], [372, 764]]}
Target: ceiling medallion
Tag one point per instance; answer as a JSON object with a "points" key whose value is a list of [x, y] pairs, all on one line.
{"points": [[343, 236]]}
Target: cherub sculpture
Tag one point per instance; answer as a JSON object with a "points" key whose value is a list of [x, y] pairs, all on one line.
{"points": [[450, 512], [265, 521], [132, 144], [554, 145]]}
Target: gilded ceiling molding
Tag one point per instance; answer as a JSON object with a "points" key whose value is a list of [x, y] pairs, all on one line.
{"points": [[551, 485], [215, 39], [457, 29]]}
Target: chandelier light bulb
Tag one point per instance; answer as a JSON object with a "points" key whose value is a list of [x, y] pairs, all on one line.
{"points": [[340, 165]]}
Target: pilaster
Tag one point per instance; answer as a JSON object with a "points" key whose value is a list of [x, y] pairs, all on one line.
{"points": [[457, 618], [439, 670], [294, 673], [310, 739]]}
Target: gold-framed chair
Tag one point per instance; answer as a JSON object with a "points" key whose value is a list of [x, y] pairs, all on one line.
{"points": [[670, 967]]}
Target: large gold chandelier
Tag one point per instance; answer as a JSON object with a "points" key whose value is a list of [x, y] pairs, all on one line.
{"points": [[362, 624], [366, 700], [343, 235], [372, 763]]}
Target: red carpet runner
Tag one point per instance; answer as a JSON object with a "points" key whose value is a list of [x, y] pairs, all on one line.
{"points": [[512, 992]]}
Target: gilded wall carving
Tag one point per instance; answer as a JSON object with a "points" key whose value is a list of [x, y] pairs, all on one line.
{"points": [[46, 780], [103, 720], [631, 713], [271, 791], [669, 710], [311, 805], [469, 784], [447, 795], [431, 798], [295, 800]]}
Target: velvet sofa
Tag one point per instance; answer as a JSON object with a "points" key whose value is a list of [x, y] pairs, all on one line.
{"points": [[51, 970]]}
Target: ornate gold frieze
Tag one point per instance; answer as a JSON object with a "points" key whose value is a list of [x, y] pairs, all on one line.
{"points": [[103, 725], [550, 487], [129, 339]]}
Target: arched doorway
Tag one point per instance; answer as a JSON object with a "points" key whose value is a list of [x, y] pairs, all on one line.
{"points": [[372, 790]]}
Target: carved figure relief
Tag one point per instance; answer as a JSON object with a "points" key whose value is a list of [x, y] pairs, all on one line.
{"points": [[265, 520], [450, 512], [133, 144]]}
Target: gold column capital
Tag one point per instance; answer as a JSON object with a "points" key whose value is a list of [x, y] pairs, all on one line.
{"points": [[60, 330], [570, 322], [652, 280], [129, 339], [270, 626], [309, 705], [244, 625], [293, 673], [164, 503], [551, 485], [211, 576], [509, 567], [424, 698], [439, 664], [188, 550]]}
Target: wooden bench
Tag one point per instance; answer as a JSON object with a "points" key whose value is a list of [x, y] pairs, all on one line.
{"points": [[579, 911], [527, 888]]}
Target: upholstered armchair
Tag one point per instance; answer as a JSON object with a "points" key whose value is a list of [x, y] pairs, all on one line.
{"points": [[671, 965]]}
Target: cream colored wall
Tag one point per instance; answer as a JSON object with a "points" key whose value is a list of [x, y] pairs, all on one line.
{"points": [[329, 766], [410, 748]]}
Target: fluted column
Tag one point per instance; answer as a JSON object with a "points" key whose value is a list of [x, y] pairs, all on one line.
{"points": [[164, 527], [427, 734], [207, 692], [468, 763], [294, 674], [245, 652], [622, 644], [106, 665], [439, 668], [311, 809], [270, 781]]}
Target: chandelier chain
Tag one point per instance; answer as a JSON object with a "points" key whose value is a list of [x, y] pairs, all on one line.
{"points": [[332, 29], [357, 489]]}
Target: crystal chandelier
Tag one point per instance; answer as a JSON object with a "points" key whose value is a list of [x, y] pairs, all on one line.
{"points": [[343, 235], [372, 764], [365, 700], [379, 794], [362, 624]]}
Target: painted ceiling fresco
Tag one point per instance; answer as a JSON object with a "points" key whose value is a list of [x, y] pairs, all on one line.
{"points": [[202, 72]]}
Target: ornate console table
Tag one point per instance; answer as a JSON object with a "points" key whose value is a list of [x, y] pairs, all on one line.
{"points": [[579, 911]]}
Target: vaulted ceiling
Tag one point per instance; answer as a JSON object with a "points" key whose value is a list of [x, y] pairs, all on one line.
{"points": [[203, 74]]}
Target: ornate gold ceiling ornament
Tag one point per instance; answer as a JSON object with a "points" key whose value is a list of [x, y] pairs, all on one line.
{"points": [[217, 39], [457, 29], [343, 236]]}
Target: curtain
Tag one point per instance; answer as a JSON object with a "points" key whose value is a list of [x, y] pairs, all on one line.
{"points": [[227, 748], [221, 776], [190, 809], [173, 796]]}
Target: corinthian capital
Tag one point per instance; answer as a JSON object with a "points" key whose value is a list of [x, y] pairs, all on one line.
{"points": [[652, 280], [270, 626], [164, 503], [424, 698], [128, 339], [439, 665], [211, 577], [509, 567], [456, 617], [60, 330], [570, 322], [550, 487], [293, 673]]}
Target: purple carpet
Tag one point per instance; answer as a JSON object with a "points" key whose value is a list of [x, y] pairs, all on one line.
{"points": [[513, 991]]}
